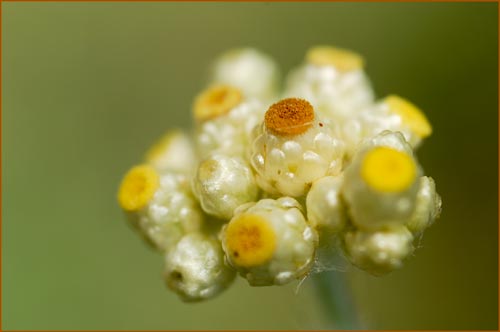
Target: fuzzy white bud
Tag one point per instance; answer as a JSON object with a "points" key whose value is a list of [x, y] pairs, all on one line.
{"points": [[195, 268], [223, 183], [255, 73], [325, 209], [427, 208], [379, 252]]}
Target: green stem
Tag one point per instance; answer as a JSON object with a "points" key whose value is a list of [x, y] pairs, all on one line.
{"points": [[335, 295]]}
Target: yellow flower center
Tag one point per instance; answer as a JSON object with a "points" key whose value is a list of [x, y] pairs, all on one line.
{"points": [[215, 101], [343, 60], [388, 170], [250, 240], [291, 116], [138, 187], [410, 114]]}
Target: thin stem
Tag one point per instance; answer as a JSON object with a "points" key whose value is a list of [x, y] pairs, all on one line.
{"points": [[335, 295]]}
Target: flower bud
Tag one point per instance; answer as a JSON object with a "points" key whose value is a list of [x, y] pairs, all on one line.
{"points": [[254, 73], [390, 139], [269, 242], [427, 208], [229, 133], [325, 209], [223, 183], [293, 149], [380, 187], [160, 206], [225, 121], [333, 80], [396, 114], [378, 252], [195, 268]]}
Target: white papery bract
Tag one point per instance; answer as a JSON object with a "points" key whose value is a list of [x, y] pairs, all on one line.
{"points": [[253, 72], [355, 140], [380, 117], [393, 113], [223, 183], [287, 165], [230, 133], [428, 207], [195, 268], [171, 213], [379, 252], [325, 209], [390, 139]]}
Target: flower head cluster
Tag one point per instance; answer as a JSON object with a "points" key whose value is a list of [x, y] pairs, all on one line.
{"points": [[267, 180]]}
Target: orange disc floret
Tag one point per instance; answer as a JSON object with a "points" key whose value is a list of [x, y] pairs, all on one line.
{"points": [[291, 116], [215, 101]]}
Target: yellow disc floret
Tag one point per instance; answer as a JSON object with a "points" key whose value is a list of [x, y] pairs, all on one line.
{"points": [[250, 240], [388, 170], [410, 114], [138, 187], [290, 116], [215, 101], [343, 60]]}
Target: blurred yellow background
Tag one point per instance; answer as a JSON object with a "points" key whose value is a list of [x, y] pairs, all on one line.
{"points": [[87, 87]]}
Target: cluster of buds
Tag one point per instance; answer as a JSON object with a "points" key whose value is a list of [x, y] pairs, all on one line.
{"points": [[267, 180]]}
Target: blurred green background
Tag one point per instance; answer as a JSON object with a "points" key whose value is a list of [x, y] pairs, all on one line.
{"points": [[88, 86]]}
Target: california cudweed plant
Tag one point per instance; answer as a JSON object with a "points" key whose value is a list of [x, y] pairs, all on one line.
{"points": [[267, 180]]}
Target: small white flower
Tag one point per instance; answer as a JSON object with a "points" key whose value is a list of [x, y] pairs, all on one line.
{"points": [[333, 81], [380, 185], [293, 148], [379, 252], [174, 151], [270, 242], [222, 183], [254, 73], [160, 206], [427, 208], [195, 268]]}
